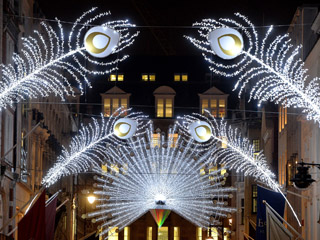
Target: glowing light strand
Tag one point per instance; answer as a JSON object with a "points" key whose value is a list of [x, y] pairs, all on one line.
{"points": [[87, 148], [281, 73], [148, 167], [44, 64]]}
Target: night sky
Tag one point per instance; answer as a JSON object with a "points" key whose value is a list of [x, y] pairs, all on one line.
{"points": [[173, 18]]}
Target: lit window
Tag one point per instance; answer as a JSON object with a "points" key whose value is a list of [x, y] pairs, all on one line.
{"points": [[148, 77], [176, 233], [180, 77], [254, 198], [117, 77], [283, 118], [184, 77], [168, 108], [199, 233], [256, 145], [112, 104], [115, 104], [163, 233], [160, 107], [107, 107], [124, 103], [224, 141], [152, 77], [113, 234], [149, 233], [126, 233], [156, 140], [222, 110], [113, 77], [204, 105], [214, 233], [177, 77], [120, 77], [213, 106], [173, 137], [165, 107], [144, 77]]}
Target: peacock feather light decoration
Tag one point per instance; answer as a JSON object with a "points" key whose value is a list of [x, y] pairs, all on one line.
{"points": [[88, 147], [229, 148], [272, 66], [158, 173], [51, 62]]}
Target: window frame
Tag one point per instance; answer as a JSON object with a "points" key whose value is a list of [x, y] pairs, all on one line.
{"points": [[254, 199], [215, 110], [116, 75], [165, 109]]}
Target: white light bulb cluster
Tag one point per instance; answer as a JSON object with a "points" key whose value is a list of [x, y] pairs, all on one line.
{"points": [[87, 148], [47, 63], [278, 72], [148, 170]]}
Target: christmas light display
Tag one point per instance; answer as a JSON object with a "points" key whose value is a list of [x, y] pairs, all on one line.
{"points": [[229, 148], [88, 147], [155, 172], [278, 71], [47, 62]]}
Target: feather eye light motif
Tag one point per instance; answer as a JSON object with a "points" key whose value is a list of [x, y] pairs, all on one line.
{"points": [[88, 147], [229, 148], [47, 61], [276, 69]]}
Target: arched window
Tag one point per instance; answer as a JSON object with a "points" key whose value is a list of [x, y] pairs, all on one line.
{"points": [[164, 101]]}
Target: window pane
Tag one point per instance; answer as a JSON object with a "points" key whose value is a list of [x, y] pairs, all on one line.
{"points": [[176, 233], [120, 77], [199, 233], [160, 107], [149, 233], [256, 145], [107, 107], [126, 233], [163, 233], [168, 107], [115, 104], [152, 77], [177, 77], [213, 106], [113, 77], [184, 77], [173, 137], [124, 103], [144, 77], [204, 105], [113, 234], [222, 110], [156, 140]]}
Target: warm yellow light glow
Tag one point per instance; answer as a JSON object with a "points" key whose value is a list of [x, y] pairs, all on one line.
{"points": [[152, 77], [144, 77], [91, 199], [113, 77], [184, 77], [120, 77], [177, 77]]}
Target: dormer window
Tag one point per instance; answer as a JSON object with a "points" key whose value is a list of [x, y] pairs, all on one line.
{"points": [[114, 99], [164, 99], [214, 101]]}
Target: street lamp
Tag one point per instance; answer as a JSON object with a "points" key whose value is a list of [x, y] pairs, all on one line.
{"points": [[302, 179], [91, 199], [209, 237]]}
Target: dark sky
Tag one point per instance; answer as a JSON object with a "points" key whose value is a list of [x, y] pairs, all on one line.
{"points": [[171, 14]]}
